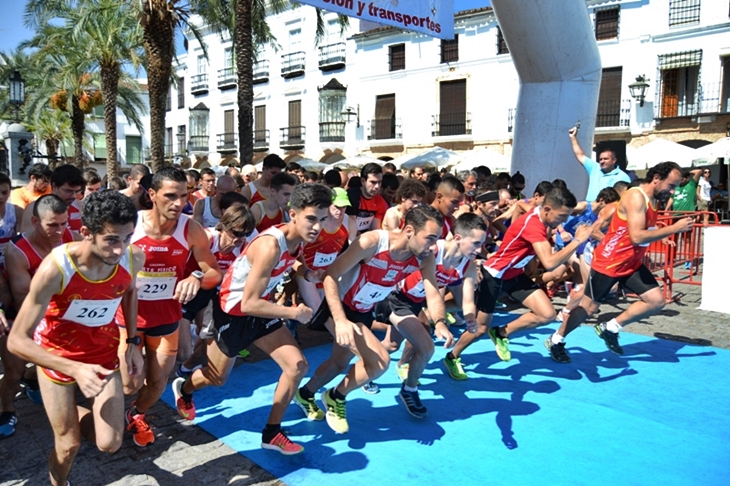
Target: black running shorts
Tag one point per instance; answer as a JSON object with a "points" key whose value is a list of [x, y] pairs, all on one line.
{"points": [[599, 285], [199, 302], [489, 289], [399, 304], [233, 334], [323, 313]]}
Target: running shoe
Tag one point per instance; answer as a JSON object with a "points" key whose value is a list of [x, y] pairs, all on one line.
{"points": [[687, 265], [180, 372], [32, 390], [610, 338], [8, 421], [455, 369], [141, 432], [557, 351], [185, 407], [281, 443], [371, 388], [500, 305], [403, 373], [459, 320], [309, 407], [412, 402], [501, 344], [336, 412]]}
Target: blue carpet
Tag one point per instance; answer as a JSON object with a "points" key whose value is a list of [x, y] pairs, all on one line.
{"points": [[657, 415]]}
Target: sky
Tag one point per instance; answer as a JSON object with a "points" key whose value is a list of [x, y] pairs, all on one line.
{"points": [[12, 30]]}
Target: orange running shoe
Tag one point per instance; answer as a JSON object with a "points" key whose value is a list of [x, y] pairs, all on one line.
{"points": [[141, 432]]}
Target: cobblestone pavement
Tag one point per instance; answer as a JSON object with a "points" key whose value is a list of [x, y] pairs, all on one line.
{"points": [[185, 454]]}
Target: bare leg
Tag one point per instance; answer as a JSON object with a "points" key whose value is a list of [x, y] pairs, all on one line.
{"points": [[13, 368], [60, 404], [159, 367], [542, 312], [484, 320], [422, 344], [215, 373]]}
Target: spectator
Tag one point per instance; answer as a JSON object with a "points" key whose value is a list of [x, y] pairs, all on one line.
{"points": [[249, 174], [418, 173], [704, 194], [601, 174], [232, 171], [389, 167], [686, 192], [38, 185], [470, 180]]}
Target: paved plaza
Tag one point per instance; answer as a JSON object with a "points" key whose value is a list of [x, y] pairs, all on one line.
{"points": [[184, 453]]}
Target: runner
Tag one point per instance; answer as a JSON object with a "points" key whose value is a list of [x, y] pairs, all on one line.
{"points": [[260, 189], [271, 211], [619, 258], [244, 315], [24, 255], [453, 265], [134, 187], [66, 183], [39, 184], [207, 184], [207, 211], [409, 195], [366, 273], [449, 196], [226, 243], [367, 206], [10, 217], [168, 241], [505, 272], [66, 326]]}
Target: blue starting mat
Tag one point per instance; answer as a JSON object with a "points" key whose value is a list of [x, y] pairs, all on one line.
{"points": [[657, 415]]}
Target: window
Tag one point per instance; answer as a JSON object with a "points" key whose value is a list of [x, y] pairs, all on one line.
{"points": [[501, 44], [725, 99], [383, 126], [134, 149], [229, 135], [331, 105], [99, 146], [168, 100], [607, 23], [199, 116], [181, 93], [683, 12], [295, 119], [181, 142], [397, 56], [260, 138], [168, 141], [295, 39], [202, 65], [609, 98], [452, 119], [679, 83], [450, 50], [228, 57]]}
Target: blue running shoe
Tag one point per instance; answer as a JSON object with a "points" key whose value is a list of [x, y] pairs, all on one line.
{"points": [[8, 420]]}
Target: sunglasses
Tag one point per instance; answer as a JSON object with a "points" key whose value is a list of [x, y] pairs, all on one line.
{"points": [[191, 187], [241, 234]]}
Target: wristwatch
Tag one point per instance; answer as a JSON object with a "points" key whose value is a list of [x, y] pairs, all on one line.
{"points": [[197, 274], [136, 340]]}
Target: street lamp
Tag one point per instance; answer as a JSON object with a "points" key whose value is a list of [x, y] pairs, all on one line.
{"points": [[638, 89], [17, 93], [349, 112]]}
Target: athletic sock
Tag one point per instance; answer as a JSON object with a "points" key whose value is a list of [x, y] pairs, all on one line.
{"points": [[450, 356], [186, 396], [335, 395], [613, 326], [305, 393], [270, 432], [557, 338], [410, 388], [133, 411], [185, 369]]}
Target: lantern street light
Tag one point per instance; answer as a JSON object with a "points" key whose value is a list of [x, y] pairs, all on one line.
{"points": [[638, 89], [17, 93]]}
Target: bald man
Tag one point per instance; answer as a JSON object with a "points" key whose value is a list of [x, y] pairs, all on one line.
{"points": [[207, 211]]}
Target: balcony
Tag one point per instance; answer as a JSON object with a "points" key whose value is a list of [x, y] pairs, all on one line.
{"points": [[227, 78], [613, 113], [705, 100], [260, 140], [261, 72], [332, 57], [332, 132], [511, 119], [450, 124], [292, 65], [227, 143], [385, 129], [199, 84], [198, 143], [292, 138]]}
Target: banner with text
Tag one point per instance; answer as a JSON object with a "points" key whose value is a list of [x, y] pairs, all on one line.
{"points": [[431, 17]]}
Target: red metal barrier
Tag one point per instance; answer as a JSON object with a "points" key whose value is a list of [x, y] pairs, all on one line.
{"points": [[680, 257]]}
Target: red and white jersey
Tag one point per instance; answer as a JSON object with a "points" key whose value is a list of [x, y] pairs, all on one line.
{"points": [[368, 283], [364, 209], [516, 249], [224, 260], [256, 195], [74, 216], [7, 230], [320, 254], [615, 255], [79, 323], [165, 262], [267, 222], [446, 228], [234, 282], [413, 283], [32, 258]]}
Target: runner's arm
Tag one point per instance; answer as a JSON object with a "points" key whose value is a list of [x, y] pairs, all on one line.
{"points": [[634, 206], [390, 221], [200, 247], [550, 260], [468, 290], [133, 354], [434, 301], [17, 266], [27, 224], [246, 192], [198, 211], [18, 219], [257, 214]]}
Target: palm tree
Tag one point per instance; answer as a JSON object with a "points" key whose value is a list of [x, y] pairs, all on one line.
{"points": [[52, 128], [113, 34]]}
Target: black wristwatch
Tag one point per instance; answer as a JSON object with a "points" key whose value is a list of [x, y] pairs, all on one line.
{"points": [[136, 340]]}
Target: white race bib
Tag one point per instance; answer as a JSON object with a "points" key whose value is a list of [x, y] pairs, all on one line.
{"points": [[363, 223], [324, 259], [645, 245], [156, 286], [418, 291], [371, 293], [92, 313]]}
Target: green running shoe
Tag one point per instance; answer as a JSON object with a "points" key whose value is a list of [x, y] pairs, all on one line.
{"points": [[244, 353], [403, 373], [455, 369], [309, 407], [336, 412], [501, 345]]}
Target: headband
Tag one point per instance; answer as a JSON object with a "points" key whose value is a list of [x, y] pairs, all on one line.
{"points": [[487, 196]]}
